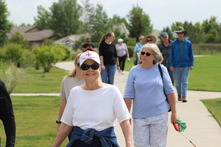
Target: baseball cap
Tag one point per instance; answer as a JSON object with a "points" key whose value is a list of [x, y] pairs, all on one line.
{"points": [[120, 40], [89, 55], [163, 34]]}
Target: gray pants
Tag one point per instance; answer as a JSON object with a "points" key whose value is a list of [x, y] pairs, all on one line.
{"points": [[151, 131]]}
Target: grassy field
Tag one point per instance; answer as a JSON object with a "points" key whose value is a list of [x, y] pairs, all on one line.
{"points": [[214, 107], [35, 81], [35, 120], [35, 116]]}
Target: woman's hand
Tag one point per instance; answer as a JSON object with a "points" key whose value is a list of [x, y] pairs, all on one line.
{"points": [[174, 118], [102, 67]]}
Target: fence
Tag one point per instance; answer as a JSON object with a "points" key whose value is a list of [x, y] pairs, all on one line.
{"points": [[207, 48]]}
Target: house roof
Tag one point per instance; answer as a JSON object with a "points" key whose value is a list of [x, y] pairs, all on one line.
{"points": [[72, 38], [39, 36], [32, 33]]}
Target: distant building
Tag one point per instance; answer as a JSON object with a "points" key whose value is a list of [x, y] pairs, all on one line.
{"points": [[70, 40], [33, 34], [123, 29]]}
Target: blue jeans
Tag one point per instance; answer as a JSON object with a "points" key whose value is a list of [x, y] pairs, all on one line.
{"points": [[108, 74], [181, 76]]}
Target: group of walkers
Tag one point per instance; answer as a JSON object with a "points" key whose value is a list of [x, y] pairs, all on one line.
{"points": [[90, 102], [88, 110]]}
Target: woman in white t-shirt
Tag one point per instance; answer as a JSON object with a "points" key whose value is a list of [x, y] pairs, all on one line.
{"points": [[92, 109], [71, 80], [122, 53]]}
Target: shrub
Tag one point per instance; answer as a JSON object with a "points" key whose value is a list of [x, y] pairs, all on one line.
{"points": [[46, 55], [66, 50], [13, 53], [10, 75]]}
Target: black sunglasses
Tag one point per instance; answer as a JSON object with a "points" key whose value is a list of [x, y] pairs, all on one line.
{"points": [[149, 40], [147, 54], [180, 33], [94, 66]]}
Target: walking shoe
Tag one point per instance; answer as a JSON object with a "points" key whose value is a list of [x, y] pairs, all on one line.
{"points": [[184, 100], [179, 97]]}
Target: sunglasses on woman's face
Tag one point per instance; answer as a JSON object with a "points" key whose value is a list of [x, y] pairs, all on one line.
{"points": [[94, 66], [149, 40], [147, 54]]}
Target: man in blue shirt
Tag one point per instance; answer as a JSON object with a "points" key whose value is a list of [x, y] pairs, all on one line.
{"points": [[181, 62]]}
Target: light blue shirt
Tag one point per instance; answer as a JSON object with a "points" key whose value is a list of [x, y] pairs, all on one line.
{"points": [[137, 47], [145, 87]]}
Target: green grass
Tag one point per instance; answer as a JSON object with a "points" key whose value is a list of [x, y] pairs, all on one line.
{"points": [[35, 81], [214, 107], [205, 75], [35, 120]]}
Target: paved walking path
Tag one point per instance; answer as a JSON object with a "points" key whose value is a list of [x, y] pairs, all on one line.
{"points": [[202, 128]]}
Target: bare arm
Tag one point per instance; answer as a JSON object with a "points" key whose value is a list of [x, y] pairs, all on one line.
{"points": [[102, 63], [63, 132], [172, 102], [127, 131], [61, 110], [128, 102], [134, 56]]}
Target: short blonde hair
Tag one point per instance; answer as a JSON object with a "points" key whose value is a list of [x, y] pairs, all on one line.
{"points": [[158, 58]]}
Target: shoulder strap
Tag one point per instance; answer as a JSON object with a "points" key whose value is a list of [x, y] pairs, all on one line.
{"points": [[161, 73]]}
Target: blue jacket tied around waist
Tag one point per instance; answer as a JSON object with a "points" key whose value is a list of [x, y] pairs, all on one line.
{"points": [[107, 136]]}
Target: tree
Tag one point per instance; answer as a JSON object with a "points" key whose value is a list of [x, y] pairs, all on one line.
{"points": [[5, 25], [99, 23], [63, 17], [14, 54], [87, 11], [212, 30], [43, 19], [139, 22], [46, 55], [117, 20], [19, 39]]}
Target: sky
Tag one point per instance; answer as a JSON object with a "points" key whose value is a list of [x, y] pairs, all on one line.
{"points": [[162, 13]]}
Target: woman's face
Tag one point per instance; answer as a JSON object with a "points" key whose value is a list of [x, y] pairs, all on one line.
{"points": [[150, 40], [147, 56], [88, 73], [111, 38]]}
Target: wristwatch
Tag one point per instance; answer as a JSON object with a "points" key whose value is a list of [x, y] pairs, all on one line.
{"points": [[58, 121]]}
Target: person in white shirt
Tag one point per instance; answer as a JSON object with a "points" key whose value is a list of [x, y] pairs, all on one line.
{"points": [[92, 109], [122, 53]]}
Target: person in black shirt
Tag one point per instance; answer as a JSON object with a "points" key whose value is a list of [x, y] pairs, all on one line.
{"points": [[7, 116], [88, 45], [108, 57]]}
